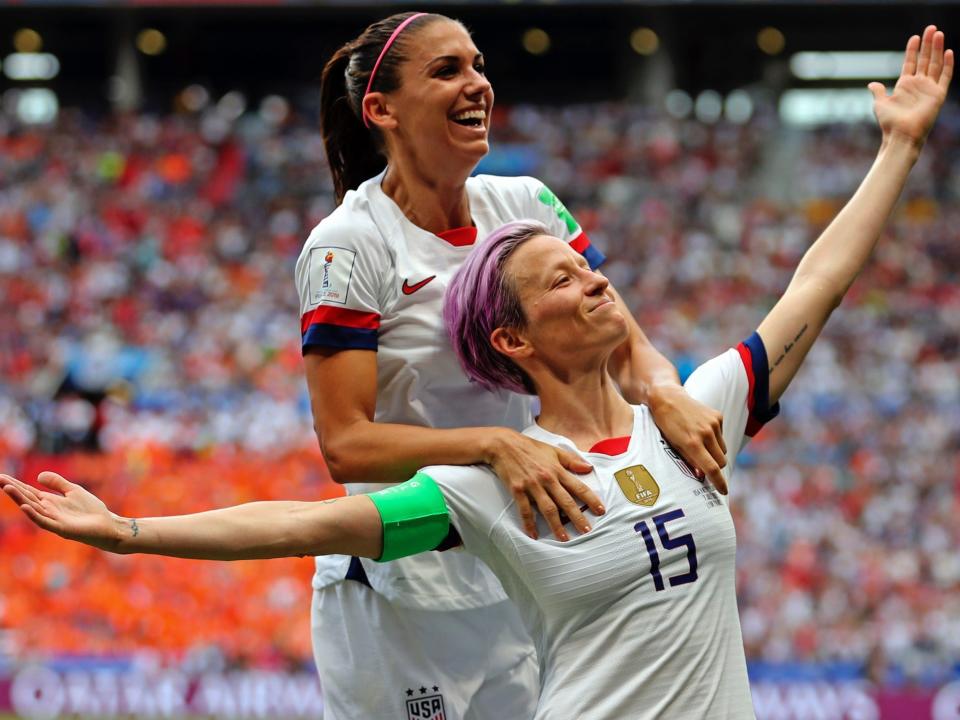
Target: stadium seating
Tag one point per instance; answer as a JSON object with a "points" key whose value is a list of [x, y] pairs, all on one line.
{"points": [[152, 351]]}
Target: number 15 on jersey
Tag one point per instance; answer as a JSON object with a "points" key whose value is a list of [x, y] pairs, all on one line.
{"points": [[668, 543]]}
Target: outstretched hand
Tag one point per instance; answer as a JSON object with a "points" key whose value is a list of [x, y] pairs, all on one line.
{"points": [[69, 511], [912, 108]]}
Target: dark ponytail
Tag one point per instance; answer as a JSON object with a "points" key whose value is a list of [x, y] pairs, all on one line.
{"points": [[354, 152]]}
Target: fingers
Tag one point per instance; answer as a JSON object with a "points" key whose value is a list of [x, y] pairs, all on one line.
{"points": [[926, 50], [16, 495], [718, 436], [39, 520], [570, 507], [716, 463], [910, 56], [710, 461], [704, 449], [28, 501], [55, 482], [573, 462], [21, 488], [878, 89], [936, 56], [541, 475], [581, 495], [548, 508], [946, 73], [717, 448], [526, 513], [716, 478]]}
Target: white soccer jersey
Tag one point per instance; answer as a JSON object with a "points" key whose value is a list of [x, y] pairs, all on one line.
{"points": [[637, 618], [369, 278]]}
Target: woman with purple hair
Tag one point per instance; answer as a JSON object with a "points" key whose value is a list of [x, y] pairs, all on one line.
{"points": [[636, 618]]}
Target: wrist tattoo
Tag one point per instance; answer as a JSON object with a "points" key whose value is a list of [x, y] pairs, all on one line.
{"points": [[134, 528], [788, 347]]}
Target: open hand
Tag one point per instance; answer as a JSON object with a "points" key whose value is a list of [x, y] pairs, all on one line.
{"points": [[913, 106], [70, 511], [539, 474], [694, 430]]}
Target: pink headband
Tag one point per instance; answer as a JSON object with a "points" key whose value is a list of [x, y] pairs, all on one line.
{"points": [[376, 65]]}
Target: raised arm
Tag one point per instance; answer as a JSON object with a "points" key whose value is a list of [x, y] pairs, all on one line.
{"points": [[343, 389], [349, 526], [833, 262]]}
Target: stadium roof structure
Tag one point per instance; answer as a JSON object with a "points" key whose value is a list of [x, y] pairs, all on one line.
{"points": [[586, 50]]}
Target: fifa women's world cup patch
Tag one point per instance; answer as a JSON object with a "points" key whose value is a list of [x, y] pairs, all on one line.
{"points": [[422, 704], [330, 272], [638, 485]]}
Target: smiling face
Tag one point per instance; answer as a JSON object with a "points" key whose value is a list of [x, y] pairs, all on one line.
{"points": [[571, 317], [441, 112]]}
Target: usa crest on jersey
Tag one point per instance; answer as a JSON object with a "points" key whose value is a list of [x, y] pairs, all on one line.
{"points": [[428, 707]]}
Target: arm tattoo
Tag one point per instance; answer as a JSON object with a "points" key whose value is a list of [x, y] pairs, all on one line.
{"points": [[134, 528], [787, 348]]}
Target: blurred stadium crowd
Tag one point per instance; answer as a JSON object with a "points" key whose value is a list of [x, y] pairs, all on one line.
{"points": [[150, 318]]}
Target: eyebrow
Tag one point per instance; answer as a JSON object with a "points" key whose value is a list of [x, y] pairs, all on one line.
{"points": [[548, 272], [450, 58]]}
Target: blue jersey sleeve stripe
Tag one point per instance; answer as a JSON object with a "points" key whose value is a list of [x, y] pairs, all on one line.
{"points": [[581, 243], [594, 257], [761, 413], [339, 338]]}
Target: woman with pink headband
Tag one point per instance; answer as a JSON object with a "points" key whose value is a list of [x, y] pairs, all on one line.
{"points": [[637, 618], [405, 114]]}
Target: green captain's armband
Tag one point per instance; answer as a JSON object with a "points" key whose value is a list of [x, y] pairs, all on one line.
{"points": [[414, 516]]}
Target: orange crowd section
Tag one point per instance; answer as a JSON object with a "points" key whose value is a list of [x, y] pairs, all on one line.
{"points": [[58, 596]]}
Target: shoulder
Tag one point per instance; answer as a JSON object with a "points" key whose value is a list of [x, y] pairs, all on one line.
{"points": [[470, 486], [514, 198], [448, 474], [350, 225], [719, 372], [520, 185], [349, 231]]}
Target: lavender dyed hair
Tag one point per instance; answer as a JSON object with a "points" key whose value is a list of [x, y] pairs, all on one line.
{"points": [[480, 299]]}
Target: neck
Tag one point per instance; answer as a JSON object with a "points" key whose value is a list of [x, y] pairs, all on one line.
{"points": [[430, 202], [585, 407]]}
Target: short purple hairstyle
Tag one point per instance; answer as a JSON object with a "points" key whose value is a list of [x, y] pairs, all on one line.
{"points": [[481, 299]]}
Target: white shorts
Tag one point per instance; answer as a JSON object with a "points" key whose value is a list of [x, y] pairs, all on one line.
{"points": [[378, 661]]}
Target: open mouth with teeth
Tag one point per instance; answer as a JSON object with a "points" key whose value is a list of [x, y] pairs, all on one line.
{"points": [[470, 118]]}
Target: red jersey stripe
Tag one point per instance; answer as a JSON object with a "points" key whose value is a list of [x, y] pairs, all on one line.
{"points": [[459, 237], [612, 446], [344, 317], [580, 243], [748, 366]]}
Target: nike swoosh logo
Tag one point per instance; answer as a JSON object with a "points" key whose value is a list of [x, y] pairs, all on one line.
{"points": [[409, 289]]}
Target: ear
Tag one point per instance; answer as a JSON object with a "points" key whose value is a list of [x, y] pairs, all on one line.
{"points": [[512, 343], [378, 111]]}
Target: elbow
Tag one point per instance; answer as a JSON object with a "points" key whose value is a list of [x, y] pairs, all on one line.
{"points": [[834, 303], [823, 291], [339, 471], [333, 456], [341, 461], [831, 297]]}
